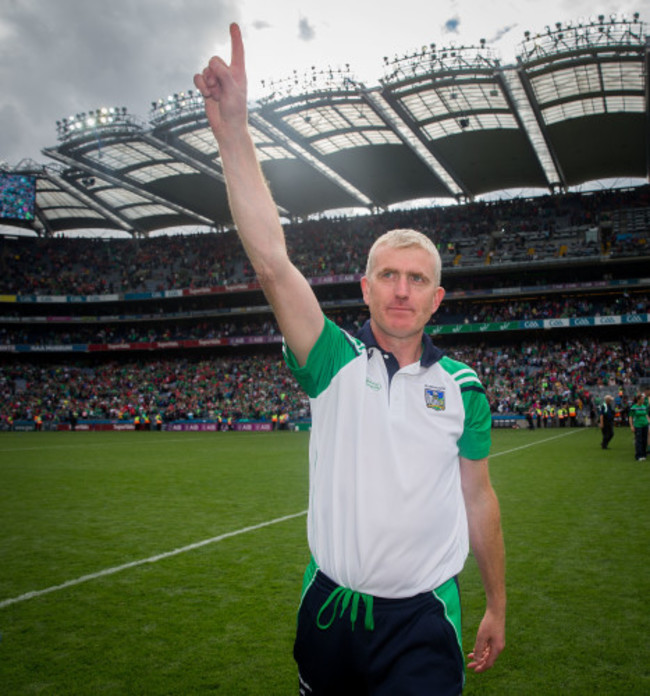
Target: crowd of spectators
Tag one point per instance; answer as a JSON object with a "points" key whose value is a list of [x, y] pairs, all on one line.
{"points": [[475, 233], [136, 332], [242, 387], [450, 312], [542, 307], [96, 267], [516, 377], [519, 376]]}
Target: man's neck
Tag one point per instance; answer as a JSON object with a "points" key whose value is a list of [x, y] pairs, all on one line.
{"points": [[406, 350]]}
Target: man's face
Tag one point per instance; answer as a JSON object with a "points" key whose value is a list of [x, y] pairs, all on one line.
{"points": [[401, 291]]}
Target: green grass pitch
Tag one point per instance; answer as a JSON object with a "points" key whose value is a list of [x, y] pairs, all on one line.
{"points": [[161, 563]]}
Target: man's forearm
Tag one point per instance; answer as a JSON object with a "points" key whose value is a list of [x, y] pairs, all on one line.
{"points": [[254, 211], [486, 539]]}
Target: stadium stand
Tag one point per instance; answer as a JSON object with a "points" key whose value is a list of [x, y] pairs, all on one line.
{"points": [[542, 332], [547, 295]]}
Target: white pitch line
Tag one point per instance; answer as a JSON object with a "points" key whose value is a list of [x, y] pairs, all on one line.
{"points": [[199, 544], [532, 444], [78, 445], [152, 559]]}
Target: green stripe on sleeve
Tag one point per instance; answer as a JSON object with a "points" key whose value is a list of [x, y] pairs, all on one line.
{"points": [[476, 439], [333, 349]]}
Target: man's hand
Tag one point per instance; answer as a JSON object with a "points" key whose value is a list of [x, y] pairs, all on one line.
{"points": [[490, 641], [224, 88]]}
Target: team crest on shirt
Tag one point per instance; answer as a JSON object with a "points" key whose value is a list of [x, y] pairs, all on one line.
{"points": [[434, 397]]}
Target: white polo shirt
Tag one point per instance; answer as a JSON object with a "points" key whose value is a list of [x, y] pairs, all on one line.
{"points": [[386, 511]]}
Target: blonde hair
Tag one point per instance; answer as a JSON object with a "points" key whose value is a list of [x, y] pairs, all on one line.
{"points": [[402, 239]]}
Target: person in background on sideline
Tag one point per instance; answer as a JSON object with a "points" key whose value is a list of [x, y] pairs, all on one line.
{"points": [[639, 426], [399, 480], [606, 420]]}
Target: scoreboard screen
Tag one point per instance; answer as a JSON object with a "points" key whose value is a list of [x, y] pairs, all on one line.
{"points": [[17, 197]]}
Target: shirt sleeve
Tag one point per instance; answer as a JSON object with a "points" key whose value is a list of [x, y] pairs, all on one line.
{"points": [[333, 349], [476, 440]]}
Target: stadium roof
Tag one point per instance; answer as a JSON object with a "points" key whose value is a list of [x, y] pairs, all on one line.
{"points": [[441, 123]]}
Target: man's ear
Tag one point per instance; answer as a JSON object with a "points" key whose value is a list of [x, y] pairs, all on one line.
{"points": [[364, 288], [438, 297]]}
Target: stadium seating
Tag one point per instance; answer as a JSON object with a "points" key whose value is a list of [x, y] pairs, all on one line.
{"points": [[182, 321]]}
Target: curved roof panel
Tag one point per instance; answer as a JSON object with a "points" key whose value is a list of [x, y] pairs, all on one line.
{"points": [[589, 87], [442, 122]]}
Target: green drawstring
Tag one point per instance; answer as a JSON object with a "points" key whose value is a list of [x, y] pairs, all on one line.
{"points": [[345, 595]]}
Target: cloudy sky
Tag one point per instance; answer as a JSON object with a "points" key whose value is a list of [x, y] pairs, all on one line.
{"points": [[60, 57]]}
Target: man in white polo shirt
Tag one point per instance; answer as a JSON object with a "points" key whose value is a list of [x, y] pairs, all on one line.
{"points": [[399, 482]]}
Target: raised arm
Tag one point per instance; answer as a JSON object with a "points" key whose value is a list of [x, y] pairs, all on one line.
{"points": [[486, 540], [254, 212]]}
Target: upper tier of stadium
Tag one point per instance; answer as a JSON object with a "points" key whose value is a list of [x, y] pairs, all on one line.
{"points": [[442, 123]]}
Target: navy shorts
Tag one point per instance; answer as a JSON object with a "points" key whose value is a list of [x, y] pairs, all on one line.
{"points": [[351, 643]]}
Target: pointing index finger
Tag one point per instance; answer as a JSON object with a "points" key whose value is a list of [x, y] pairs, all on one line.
{"points": [[237, 62]]}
